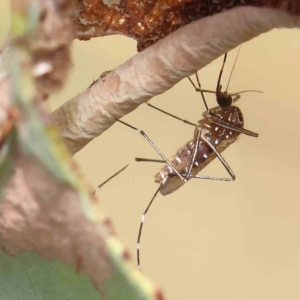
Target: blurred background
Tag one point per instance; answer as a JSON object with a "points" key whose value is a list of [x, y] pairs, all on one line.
{"points": [[208, 240]]}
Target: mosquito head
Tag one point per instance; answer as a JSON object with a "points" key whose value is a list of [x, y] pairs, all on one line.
{"points": [[223, 98]]}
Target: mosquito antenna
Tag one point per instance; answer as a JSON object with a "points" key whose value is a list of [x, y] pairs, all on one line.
{"points": [[236, 58], [142, 223], [246, 91]]}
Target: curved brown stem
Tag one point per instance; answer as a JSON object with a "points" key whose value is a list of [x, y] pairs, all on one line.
{"points": [[159, 68]]}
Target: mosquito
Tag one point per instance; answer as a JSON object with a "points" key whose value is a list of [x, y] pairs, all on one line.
{"points": [[219, 128]]}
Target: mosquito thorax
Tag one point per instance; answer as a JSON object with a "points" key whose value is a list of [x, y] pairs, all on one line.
{"points": [[230, 114], [235, 116]]}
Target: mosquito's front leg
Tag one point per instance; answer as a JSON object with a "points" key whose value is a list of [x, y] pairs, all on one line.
{"points": [[155, 148], [171, 115]]}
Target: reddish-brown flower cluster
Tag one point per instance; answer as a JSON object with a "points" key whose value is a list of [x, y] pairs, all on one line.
{"points": [[146, 20]]}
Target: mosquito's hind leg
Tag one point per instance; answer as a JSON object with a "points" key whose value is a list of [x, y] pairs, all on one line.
{"points": [[155, 148], [137, 159], [199, 89], [142, 223]]}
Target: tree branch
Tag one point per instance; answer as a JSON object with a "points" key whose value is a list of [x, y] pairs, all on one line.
{"points": [[159, 68]]}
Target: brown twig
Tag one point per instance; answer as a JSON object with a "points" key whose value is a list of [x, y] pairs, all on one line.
{"points": [[160, 67]]}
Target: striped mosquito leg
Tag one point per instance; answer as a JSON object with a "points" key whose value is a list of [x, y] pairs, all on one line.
{"points": [[220, 157], [193, 161], [137, 159], [155, 148], [142, 224], [171, 115], [111, 177], [194, 155], [210, 178], [199, 89]]}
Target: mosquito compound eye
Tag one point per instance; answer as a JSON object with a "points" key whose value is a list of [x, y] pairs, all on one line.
{"points": [[224, 100]]}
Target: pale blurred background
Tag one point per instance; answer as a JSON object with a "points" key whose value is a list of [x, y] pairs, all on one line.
{"points": [[209, 240]]}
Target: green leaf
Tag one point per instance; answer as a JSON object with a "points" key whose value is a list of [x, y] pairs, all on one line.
{"points": [[27, 276]]}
